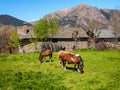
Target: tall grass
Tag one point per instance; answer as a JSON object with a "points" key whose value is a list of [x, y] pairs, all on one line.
{"points": [[23, 72]]}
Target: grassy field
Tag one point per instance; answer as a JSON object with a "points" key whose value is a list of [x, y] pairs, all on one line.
{"points": [[23, 72]]}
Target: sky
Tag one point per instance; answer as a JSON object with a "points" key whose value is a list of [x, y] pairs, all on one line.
{"points": [[31, 10]]}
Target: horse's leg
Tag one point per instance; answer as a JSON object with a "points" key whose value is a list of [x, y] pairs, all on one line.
{"points": [[50, 57], [59, 60], [78, 67], [74, 69], [64, 65], [44, 58], [40, 60]]}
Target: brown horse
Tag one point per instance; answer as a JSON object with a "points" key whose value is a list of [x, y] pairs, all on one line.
{"points": [[61, 53], [44, 54], [72, 59]]}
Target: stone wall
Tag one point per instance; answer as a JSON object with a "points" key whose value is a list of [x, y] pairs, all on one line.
{"points": [[69, 44], [55, 46]]}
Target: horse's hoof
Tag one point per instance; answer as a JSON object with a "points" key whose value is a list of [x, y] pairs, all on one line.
{"points": [[82, 72], [65, 69], [39, 61], [59, 62]]}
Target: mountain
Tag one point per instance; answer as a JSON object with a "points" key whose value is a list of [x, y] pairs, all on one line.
{"points": [[81, 15], [9, 20]]}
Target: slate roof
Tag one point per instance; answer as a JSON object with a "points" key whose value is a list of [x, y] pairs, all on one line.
{"points": [[107, 34], [66, 32]]}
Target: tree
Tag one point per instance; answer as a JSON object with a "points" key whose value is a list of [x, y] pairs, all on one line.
{"points": [[14, 41], [52, 27], [75, 36], [93, 32], [5, 33], [45, 28], [115, 22]]}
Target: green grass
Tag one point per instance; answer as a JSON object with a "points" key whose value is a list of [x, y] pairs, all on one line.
{"points": [[23, 72]]}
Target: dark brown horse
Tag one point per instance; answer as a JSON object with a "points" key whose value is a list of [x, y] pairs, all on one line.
{"points": [[72, 59], [44, 54]]}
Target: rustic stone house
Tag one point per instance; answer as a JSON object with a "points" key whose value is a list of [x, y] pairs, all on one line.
{"points": [[62, 38], [24, 30], [109, 38]]}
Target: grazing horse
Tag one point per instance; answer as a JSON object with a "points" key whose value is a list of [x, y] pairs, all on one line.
{"points": [[44, 54], [61, 53], [72, 59]]}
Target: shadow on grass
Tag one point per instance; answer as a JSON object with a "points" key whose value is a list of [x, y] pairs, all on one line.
{"points": [[47, 61], [71, 68]]}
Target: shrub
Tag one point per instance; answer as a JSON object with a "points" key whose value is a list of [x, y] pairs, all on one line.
{"points": [[101, 46]]}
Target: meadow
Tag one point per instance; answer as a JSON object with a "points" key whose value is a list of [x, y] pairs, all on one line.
{"points": [[23, 72]]}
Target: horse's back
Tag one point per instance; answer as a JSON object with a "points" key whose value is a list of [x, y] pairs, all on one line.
{"points": [[67, 56], [46, 52], [70, 58], [62, 52]]}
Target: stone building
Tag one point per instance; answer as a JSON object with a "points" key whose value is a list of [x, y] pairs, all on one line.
{"points": [[62, 38], [65, 38], [24, 30]]}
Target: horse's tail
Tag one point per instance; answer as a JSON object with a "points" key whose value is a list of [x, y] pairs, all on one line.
{"points": [[51, 54]]}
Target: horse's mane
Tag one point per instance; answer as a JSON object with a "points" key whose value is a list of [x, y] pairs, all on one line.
{"points": [[81, 61]]}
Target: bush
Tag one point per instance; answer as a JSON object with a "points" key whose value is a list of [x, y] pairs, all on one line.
{"points": [[101, 46]]}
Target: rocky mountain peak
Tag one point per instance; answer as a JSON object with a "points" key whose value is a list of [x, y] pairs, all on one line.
{"points": [[81, 15], [82, 5]]}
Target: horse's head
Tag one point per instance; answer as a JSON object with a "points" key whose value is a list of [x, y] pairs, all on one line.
{"points": [[81, 67], [80, 63], [44, 54]]}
